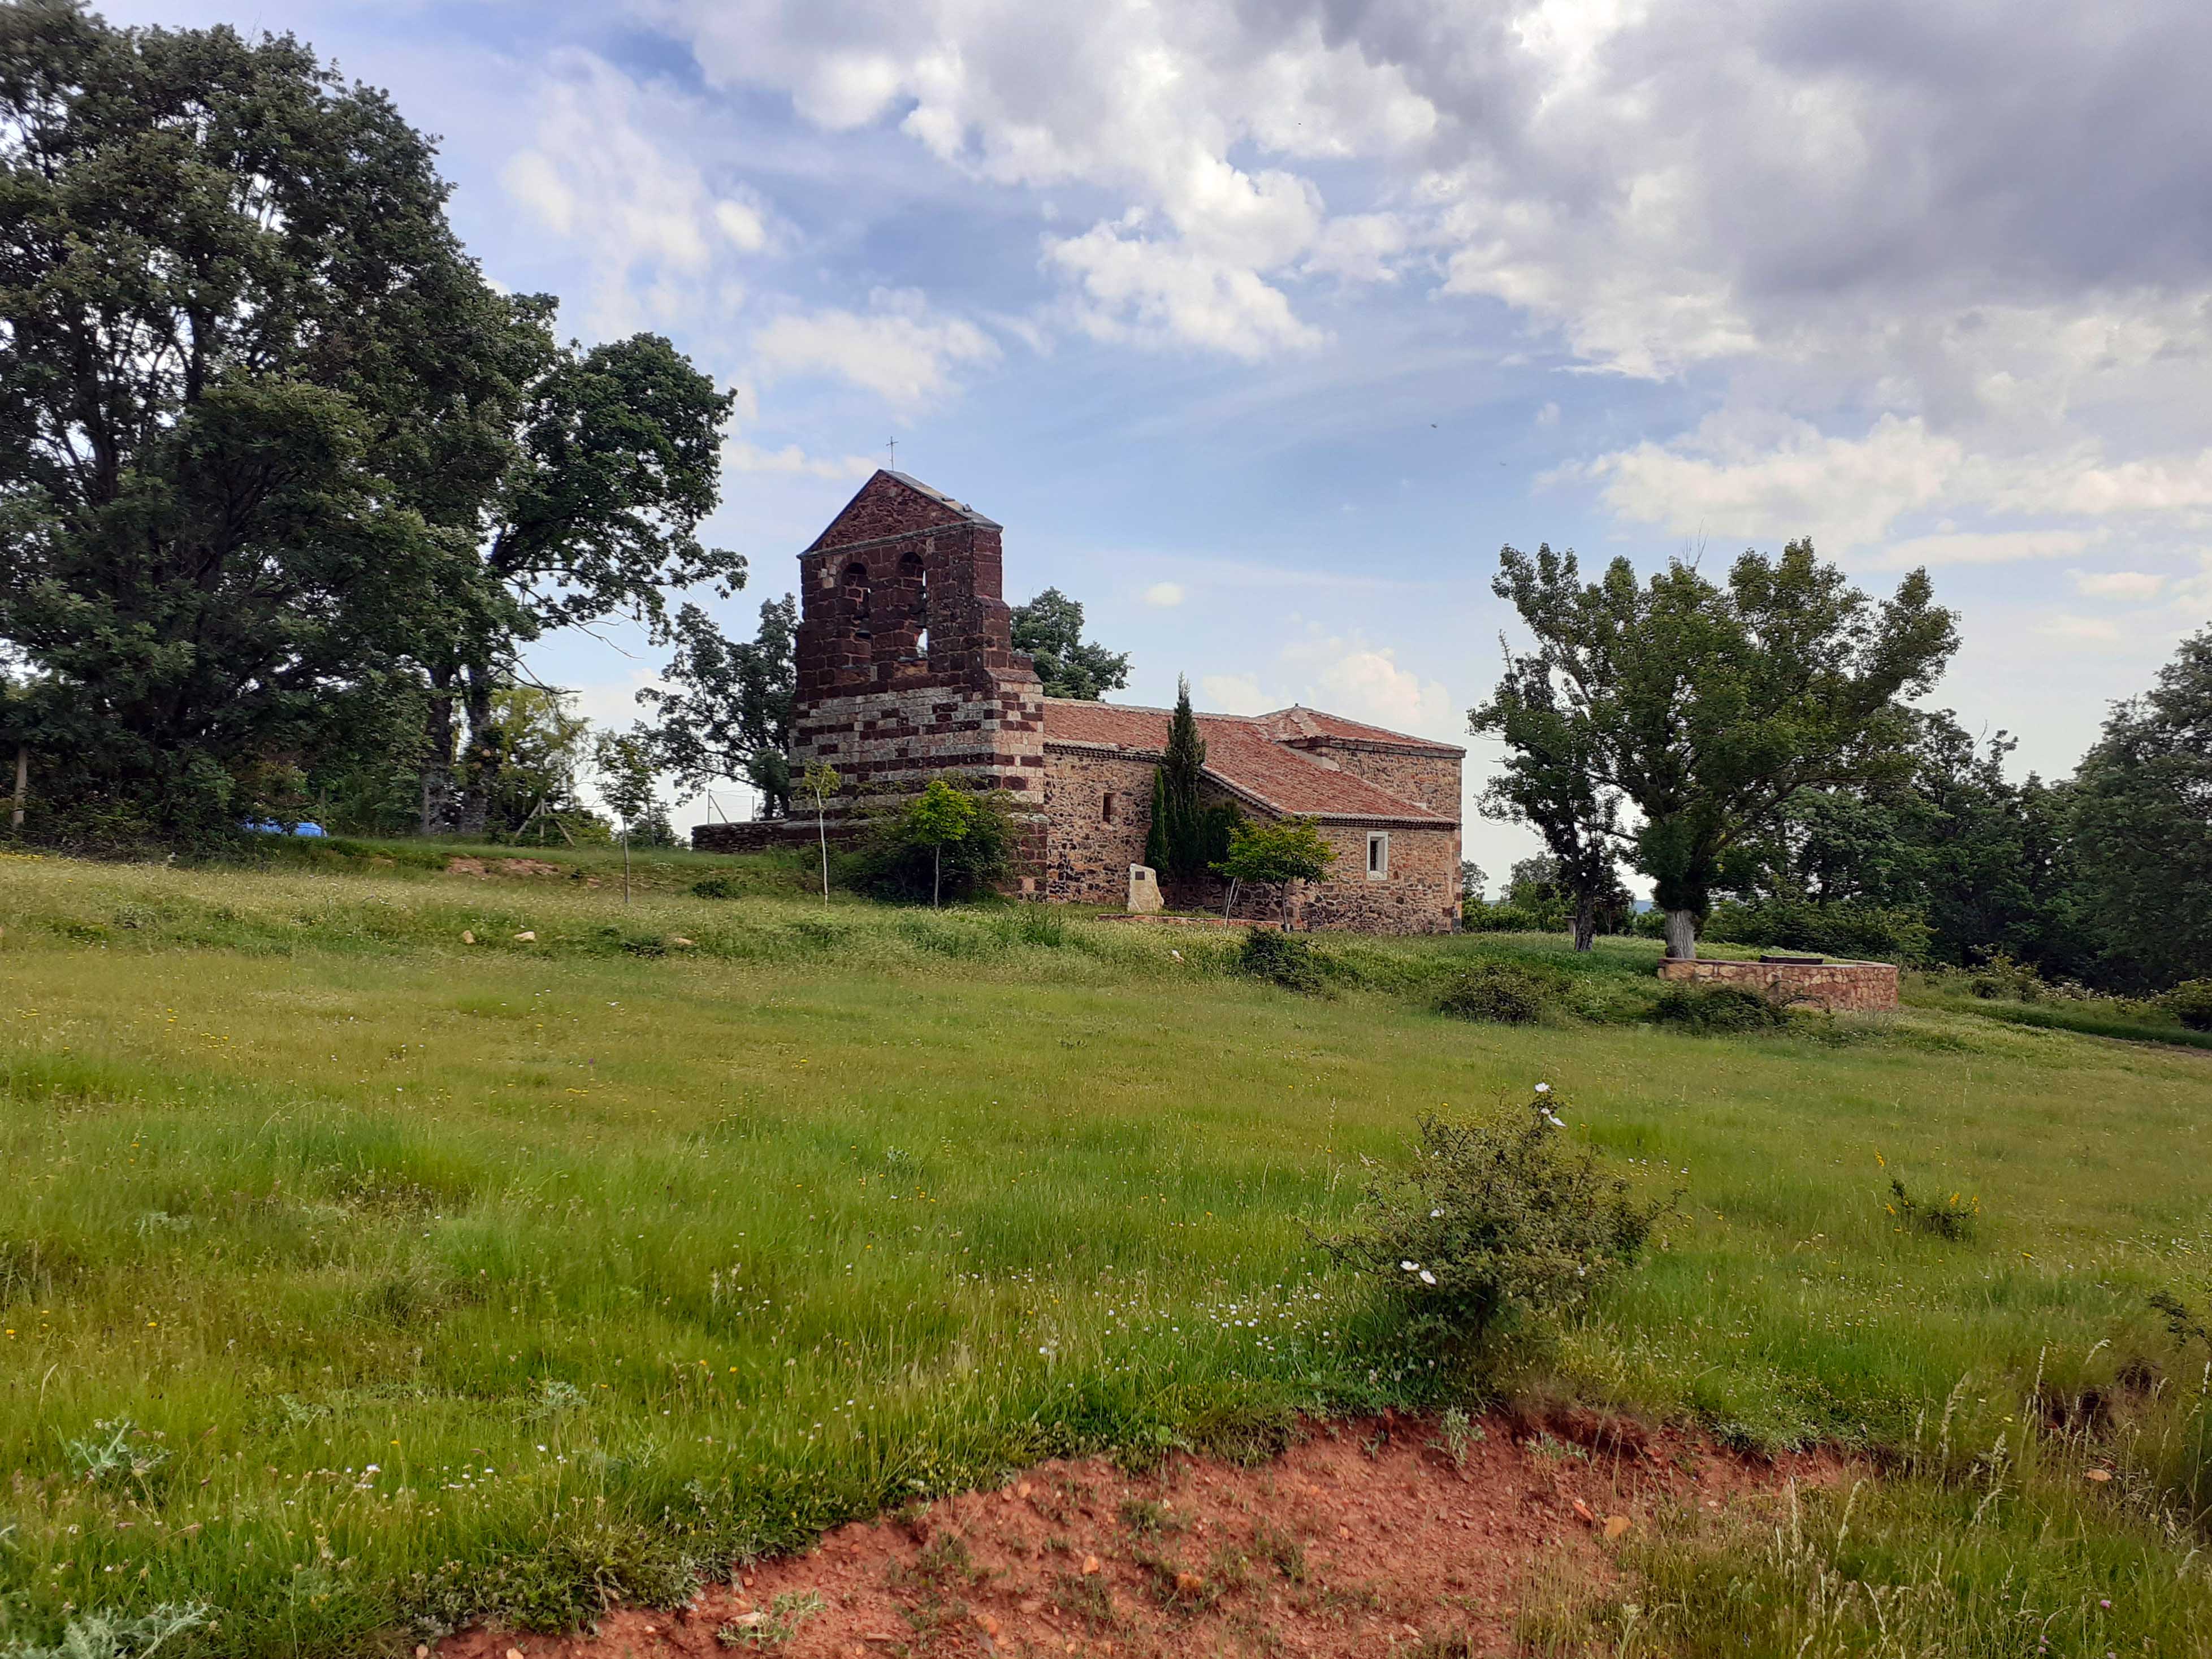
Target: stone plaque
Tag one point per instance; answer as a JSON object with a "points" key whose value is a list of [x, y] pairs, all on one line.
{"points": [[1144, 890]]}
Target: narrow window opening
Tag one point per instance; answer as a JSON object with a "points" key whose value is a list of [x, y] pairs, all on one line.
{"points": [[856, 594], [1378, 856], [1106, 809]]}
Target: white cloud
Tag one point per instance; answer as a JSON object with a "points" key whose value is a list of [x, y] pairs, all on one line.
{"points": [[1233, 694], [2117, 584], [1349, 675], [1162, 294], [1165, 596], [1984, 547], [898, 351], [650, 225], [1740, 486], [739, 456]]}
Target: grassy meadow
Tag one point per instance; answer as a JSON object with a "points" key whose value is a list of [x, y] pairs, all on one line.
{"points": [[357, 1280]]}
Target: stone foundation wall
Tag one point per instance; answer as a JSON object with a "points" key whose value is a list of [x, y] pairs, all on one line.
{"points": [[1857, 988]]}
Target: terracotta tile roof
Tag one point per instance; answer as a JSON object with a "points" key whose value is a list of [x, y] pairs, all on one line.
{"points": [[1291, 724], [1244, 755]]}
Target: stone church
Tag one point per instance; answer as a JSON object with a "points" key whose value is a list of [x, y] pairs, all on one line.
{"points": [[907, 670]]}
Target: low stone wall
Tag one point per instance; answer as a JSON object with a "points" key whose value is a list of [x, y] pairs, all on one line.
{"points": [[1854, 987], [1169, 919], [763, 836]]}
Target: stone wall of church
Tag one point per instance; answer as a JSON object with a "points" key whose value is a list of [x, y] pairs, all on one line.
{"points": [[892, 742], [1419, 894], [1098, 810], [1421, 776]]}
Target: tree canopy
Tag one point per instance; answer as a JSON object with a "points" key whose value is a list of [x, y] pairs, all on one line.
{"points": [[275, 457], [2142, 831], [731, 706], [1050, 629], [1709, 707]]}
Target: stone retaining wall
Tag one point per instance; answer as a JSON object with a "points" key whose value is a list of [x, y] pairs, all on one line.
{"points": [[1854, 987]]}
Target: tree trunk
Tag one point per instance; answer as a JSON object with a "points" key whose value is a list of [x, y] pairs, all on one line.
{"points": [[436, 816], [822, 829], [625, 865], [474, 807], [1229, 904], [1585, 921], [937, 875], [23, 785], [1682, 935]]}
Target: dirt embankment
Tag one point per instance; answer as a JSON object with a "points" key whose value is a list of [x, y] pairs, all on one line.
{"points": [[1364, 1538]]}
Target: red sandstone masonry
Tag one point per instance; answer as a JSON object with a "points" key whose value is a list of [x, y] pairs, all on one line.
{"points": [[906, 671], [1857, 987]]}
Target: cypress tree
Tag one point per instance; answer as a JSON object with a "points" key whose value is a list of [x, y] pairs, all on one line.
{"points": [[1156, 837], [1179, 817]]}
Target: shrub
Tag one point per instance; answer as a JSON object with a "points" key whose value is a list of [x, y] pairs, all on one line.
{"points": [[1841, 929], [1998, 978], [1501, 918], [1953, 1218], [1281, 959], [905, 854], [1707, 1009], [2190, 1003], [1493, 1222], [1503, 992], [715, 887]]}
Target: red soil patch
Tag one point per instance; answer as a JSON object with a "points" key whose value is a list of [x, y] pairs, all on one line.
{"points": [[1366, 1537]]}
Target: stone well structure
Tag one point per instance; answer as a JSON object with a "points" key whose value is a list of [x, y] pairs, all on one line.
{"points": [[1853, 988]]}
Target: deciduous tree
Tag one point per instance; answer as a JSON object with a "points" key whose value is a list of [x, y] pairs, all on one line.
{"points": [[1275, 852], [1050, 629], [1709, 707], [732, 704], [252, 394], [2142, 831]]}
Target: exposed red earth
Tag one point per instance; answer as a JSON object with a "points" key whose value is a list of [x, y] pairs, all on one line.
{"points": [[1364, 1538]]}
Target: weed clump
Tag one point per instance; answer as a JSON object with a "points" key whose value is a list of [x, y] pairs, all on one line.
{"points": [[1491, 1222], [1282, 959], [2190, 1002], [1501, 994], [715, 887], [1952, 1219], [1713, 1009]]}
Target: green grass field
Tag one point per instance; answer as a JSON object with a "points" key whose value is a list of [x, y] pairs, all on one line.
{"points": [[357, 1280]]}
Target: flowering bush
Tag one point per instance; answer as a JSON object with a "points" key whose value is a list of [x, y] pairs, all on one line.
{"points": [[1494, 1222]]}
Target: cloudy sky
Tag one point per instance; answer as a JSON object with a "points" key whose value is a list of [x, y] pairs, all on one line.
{"points": [[1261, 324]]}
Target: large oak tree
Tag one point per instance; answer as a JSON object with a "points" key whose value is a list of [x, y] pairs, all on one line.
{"points": [[1709, 707], [274, 459]]}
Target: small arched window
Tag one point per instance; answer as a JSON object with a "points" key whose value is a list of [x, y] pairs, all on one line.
{"points": [[856, 592]]}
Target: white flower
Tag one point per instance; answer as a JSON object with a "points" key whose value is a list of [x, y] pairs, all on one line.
{"points": [[1543, 1088], [1436, 1215], [1411, 1266], [1427, 1278], [1555, 1120]]}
